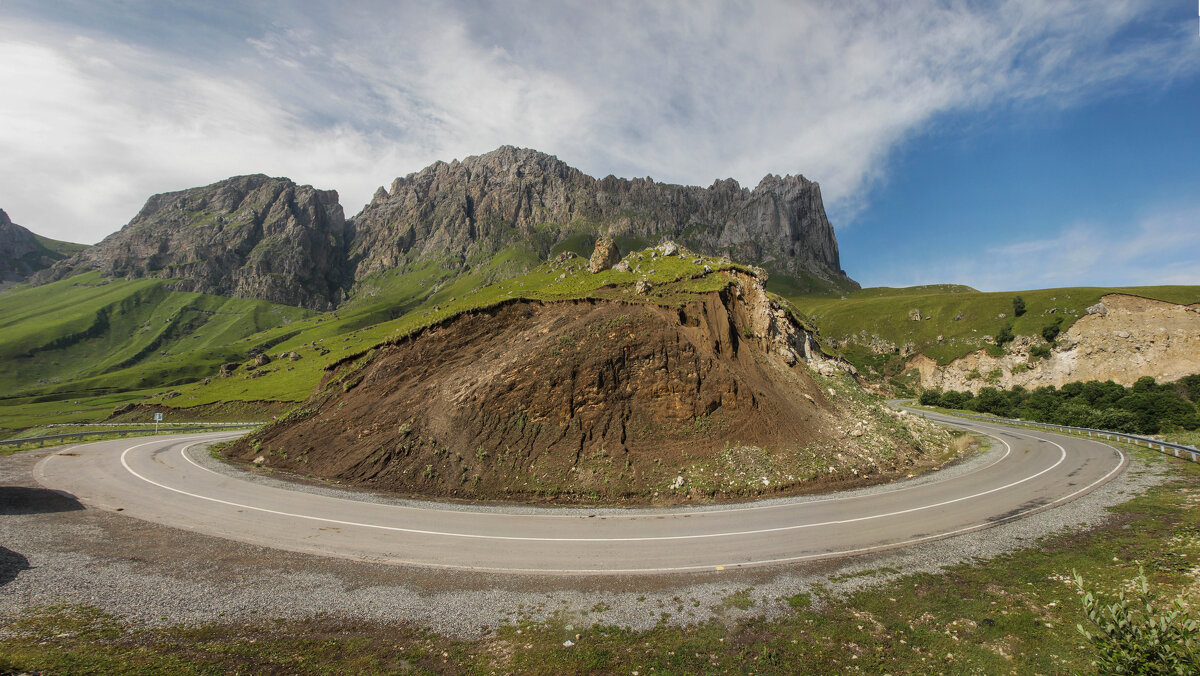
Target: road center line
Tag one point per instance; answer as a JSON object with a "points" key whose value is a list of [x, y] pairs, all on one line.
{"points": [[416, 531]]}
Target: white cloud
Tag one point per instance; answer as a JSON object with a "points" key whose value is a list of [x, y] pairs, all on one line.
{"points": [[1158, 249], [99, 112]]}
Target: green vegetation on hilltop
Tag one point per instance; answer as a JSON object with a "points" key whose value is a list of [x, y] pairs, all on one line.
{"points": [[62, 249], [876, 329], [74, 349]]}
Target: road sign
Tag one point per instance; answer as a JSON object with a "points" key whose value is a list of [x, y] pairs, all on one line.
{"points": [[157, 417]]}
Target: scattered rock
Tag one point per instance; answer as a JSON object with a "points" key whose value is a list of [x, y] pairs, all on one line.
{"points": [[668, 248], [259, 460], [293, 356], [605, 255], [1097, 309], [958, 317], [261, 360], [707, 269], [914, 315], [1002, 315], [643, 287], [623, 266]]}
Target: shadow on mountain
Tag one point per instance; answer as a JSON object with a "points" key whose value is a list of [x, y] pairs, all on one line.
{"points": [[25, 500], [11, 565]]}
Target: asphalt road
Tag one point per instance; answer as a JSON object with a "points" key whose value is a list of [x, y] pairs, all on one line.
{"points": [[157, 480]]}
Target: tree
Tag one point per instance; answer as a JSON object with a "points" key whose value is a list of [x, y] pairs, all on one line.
{"points": [[1018, 306]]}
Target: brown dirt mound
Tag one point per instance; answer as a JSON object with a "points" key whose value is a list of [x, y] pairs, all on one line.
{"points": [[575, 401]]}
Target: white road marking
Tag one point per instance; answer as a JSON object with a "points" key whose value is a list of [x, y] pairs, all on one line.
{"points": [[523, 538], [632, 514]]}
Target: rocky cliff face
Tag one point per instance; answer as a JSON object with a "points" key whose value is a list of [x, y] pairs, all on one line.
{"points": [[21, 254], [1123, 338], [247, 236], [463, 211]]}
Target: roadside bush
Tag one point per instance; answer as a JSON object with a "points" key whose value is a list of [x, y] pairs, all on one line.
{"points": [[1145, 408], [1134, 636]]}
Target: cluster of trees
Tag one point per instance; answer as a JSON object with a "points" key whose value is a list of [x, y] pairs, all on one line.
{"points": [[1145, 408]]}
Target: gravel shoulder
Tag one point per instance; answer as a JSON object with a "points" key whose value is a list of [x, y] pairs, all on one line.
{"points": [[52, 552]]}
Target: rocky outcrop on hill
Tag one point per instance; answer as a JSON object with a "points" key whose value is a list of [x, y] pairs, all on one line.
{"points": [[21, 252], [597, 400], [247, 236], [464, 210], [1122, 338]]}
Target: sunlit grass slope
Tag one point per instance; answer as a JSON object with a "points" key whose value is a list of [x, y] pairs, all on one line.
{"points": [[959, 315], [75, 349]]}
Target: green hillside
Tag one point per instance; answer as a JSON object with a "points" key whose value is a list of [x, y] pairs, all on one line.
{"points": [[954, 319], [63, 249], [75, 349]]}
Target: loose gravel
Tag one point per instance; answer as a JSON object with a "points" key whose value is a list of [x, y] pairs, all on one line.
{"points": [[51, 552]]}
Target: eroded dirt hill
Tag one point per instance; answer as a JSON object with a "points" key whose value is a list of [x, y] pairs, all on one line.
{"points": [[1122, 338], [598, 401]]}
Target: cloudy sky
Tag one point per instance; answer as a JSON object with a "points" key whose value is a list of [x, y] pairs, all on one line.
{"points": [[1005, 145]]}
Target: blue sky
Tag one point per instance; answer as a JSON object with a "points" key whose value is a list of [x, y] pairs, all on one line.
{"points": [[1006, 145]]}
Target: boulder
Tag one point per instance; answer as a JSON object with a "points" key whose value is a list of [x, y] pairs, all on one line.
{"points": [[605, 255]]}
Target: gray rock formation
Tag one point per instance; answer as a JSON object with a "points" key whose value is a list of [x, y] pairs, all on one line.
{"points": [[605, 255], [464, 210], [23, 253], [247, 236]]}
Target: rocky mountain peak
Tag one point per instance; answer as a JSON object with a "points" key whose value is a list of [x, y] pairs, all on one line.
{"points": [[23, 253], [464, 210], [247, 236]]}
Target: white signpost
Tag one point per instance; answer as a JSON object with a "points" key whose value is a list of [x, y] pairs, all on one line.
{"points": [[157, 419]]}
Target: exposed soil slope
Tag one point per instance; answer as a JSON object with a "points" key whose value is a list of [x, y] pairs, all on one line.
{"points": [[1122, 338], [596, 400]]}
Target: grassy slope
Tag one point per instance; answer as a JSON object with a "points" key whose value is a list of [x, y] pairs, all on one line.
{"points": [[403, 302], [884, 313], [75, 349], [63, 249]]}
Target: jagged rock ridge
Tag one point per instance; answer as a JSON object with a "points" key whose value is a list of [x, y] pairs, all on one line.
{"points": [[247, 236], [23, 253], [465, 210], [268, 238]]}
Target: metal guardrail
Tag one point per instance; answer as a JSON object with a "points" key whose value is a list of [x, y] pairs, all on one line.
{"points": [[78, 436], [1188, 452]]}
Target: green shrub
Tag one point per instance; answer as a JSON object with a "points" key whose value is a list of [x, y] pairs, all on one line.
{"points": [[1039, 351], [1018, 306], [1134, 636], [1005, 335], [1051, 330]]}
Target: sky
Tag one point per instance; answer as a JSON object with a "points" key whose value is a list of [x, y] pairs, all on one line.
{"points": [[1005, 145]]}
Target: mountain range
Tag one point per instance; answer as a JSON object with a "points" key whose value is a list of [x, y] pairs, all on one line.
{"points": [[266, 238]]}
